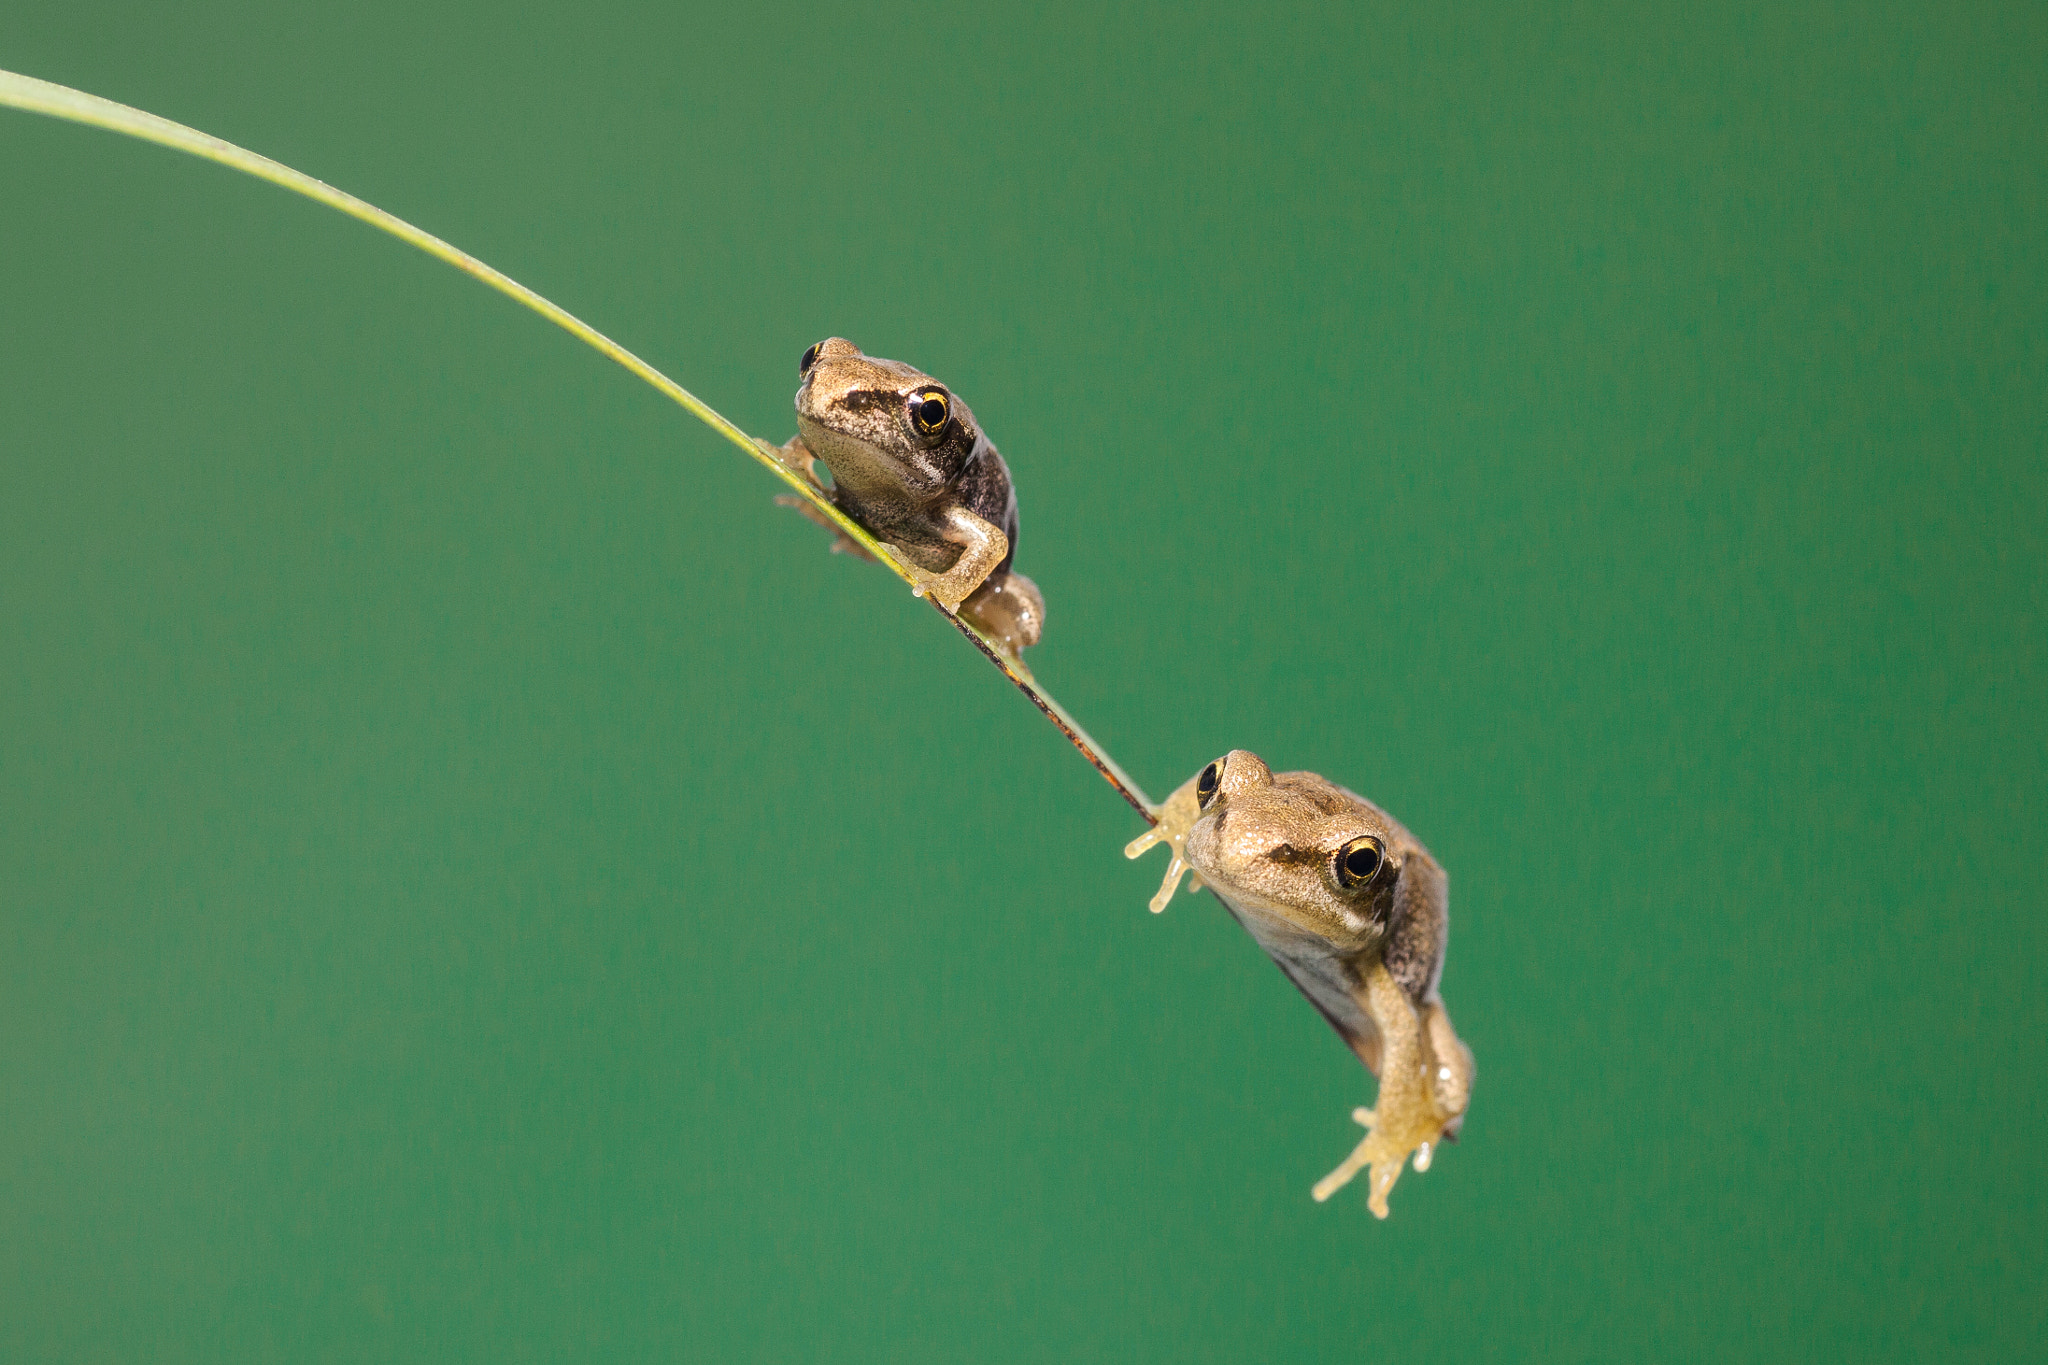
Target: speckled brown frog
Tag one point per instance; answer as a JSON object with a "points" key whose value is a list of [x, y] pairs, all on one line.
{"points": [[1355, 912], [910, 463]]}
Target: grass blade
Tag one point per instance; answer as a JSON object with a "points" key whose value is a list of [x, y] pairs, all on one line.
{"points": [[76, 106]]}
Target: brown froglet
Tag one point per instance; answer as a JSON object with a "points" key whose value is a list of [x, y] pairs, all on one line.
{"points": [[1355, 912], [910, 463]]}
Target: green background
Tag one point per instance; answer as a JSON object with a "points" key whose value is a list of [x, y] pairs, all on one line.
{"points": [[480, 882]]}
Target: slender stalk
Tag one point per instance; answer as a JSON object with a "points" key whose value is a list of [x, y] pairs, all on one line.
{"points": [[60, 101]]}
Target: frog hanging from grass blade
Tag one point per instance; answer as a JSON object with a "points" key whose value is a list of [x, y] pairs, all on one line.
{"points": [[1356, 913]]}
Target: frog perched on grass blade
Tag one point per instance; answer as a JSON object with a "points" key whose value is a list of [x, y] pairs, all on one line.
{"points": [[1356, 913], [910, 463]]}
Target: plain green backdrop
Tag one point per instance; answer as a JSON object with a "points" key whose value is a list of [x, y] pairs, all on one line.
{"points": [[479, 882]]}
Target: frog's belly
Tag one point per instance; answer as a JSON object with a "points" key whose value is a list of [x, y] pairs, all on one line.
{"points": [[1326, 978]]}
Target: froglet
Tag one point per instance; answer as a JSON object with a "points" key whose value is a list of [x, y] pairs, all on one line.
{"points": [[1355, 912], [910, 463]]}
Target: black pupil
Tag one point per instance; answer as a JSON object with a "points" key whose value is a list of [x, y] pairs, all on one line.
{"points": [[931, 412], [1206, 784], [803, 366], [1362, 862]]}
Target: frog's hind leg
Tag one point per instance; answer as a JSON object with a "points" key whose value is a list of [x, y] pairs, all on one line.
{"points": [[1009, 609]]}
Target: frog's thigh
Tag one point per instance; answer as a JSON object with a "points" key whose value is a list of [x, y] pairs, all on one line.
{"points": [[1009, 610], [1451, 1075], [982, 546]]}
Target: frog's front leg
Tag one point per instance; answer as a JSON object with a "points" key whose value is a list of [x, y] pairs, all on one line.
{"points": [[842, 543], [1410, 1114], [982, 546], [797, 456]]}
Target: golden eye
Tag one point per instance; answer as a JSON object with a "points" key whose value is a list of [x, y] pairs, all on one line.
{"points": [[803, 367], [1208, 784], [929, 410], [1359, 861]]}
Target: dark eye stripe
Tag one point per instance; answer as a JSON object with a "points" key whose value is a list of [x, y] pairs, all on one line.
{"points": [[868, 400]]}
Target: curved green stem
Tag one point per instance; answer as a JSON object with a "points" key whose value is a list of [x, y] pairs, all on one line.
{"points": [[60, 101]]}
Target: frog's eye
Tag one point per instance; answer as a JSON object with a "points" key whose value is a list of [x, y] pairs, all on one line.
{"points": [[929, 410], [1207, 785], [1359, 861], [803, 367]]}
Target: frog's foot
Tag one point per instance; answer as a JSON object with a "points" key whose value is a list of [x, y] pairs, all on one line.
{"points": [[948, 589], [1385, 1149], [967, 576], [983, 546], [1173, 821]]}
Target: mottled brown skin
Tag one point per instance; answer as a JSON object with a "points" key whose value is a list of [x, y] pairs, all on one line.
{"points": [[938, 491], [1287, 854]]}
